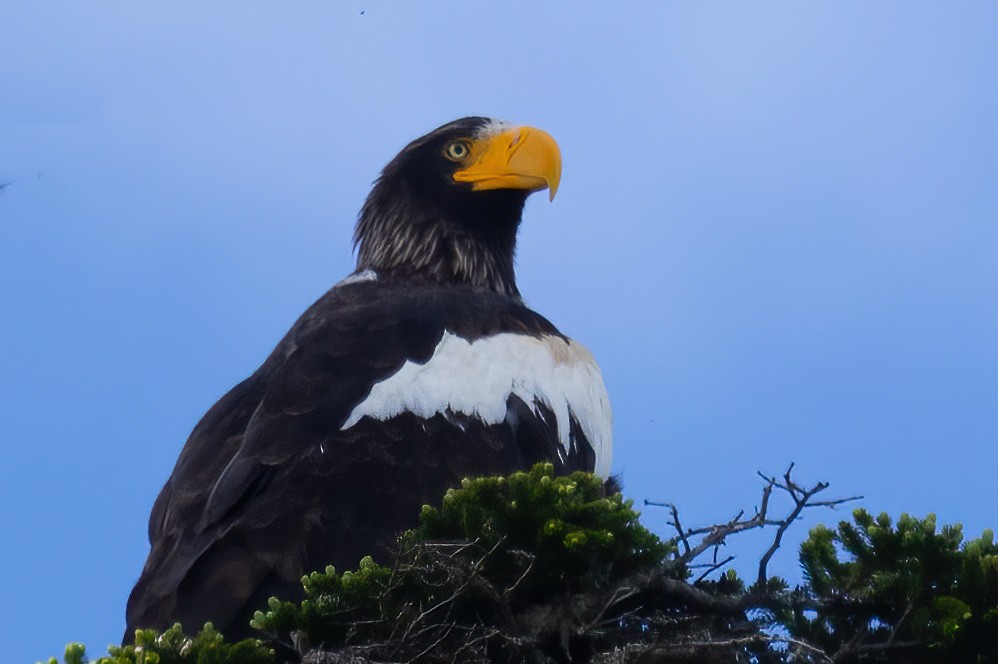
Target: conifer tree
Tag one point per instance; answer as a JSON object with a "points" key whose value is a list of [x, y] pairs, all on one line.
{"points": [[537, 568]]}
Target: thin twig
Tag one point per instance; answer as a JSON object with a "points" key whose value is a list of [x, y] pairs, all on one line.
{"points": [[712, 568], [713, 537]]}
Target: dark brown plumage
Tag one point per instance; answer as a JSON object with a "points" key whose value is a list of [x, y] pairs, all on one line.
{"points": [[367, 409]]}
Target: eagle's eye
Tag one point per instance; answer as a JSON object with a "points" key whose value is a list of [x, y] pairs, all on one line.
{"points": [[456, 150]]}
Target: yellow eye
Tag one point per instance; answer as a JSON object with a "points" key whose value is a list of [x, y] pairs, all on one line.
{"points": [[456, 150]]}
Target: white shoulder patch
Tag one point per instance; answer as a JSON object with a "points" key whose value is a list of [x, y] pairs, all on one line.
{"points": [[358, 277], [477, 378]]}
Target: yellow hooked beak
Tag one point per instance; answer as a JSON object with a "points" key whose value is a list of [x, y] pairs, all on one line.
{"points": [[518, 158]]}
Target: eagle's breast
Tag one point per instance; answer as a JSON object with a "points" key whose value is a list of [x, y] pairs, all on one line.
{"points": [[478, 377]]}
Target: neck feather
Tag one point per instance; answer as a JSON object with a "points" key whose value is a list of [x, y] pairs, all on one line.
{"points": [[401, 235]]}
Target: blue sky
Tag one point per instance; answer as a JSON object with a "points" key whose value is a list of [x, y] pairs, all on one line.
{"points": [[777, 230]]}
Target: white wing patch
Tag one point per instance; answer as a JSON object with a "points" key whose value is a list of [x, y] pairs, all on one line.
{"points": [[358, 277], [477, 378]]}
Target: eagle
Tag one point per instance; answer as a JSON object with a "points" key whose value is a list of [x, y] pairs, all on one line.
{"points": [[419, 369]]}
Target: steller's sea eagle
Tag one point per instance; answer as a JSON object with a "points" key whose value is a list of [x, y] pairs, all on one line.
{"points": [[419, 369]]}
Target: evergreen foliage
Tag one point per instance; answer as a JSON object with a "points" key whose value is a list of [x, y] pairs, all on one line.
{"points": [[478, 576], [901, 590], [577, 536], [174, 647], [538, 568]]}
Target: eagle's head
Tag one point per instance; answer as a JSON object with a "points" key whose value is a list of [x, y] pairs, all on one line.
{"points": [[447, 208]]}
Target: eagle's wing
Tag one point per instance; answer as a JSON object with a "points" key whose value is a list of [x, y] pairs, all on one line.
{"points": [[270, 483], [228, 485]]}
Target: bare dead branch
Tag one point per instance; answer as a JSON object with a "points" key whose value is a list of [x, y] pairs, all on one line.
{"points": [[619, 595], [802, 500], [682, 535], [713, 567], [715, 536]]}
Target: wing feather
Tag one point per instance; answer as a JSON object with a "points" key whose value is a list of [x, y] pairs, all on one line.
{"points": [[268, 485]]}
